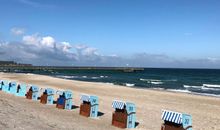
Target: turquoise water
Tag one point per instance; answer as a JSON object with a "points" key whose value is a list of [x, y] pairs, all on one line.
{"points": [[197, 81]]}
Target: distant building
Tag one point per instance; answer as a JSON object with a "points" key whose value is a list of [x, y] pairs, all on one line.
{"points": [[12, 63], [8, 63]]}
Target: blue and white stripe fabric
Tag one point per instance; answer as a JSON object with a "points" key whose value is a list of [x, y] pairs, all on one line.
{"points": [[85, 97], [59, 92], [118, 104], [172, 116]]}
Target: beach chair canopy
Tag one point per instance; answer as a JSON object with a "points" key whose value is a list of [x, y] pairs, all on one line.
{"points": [[59, 92], [85, 98], [68, 94], [13, 83], [171, 116], [2, 82], [118, 104], [5, 82], [89, 98], [49, 91], [34, 88]]}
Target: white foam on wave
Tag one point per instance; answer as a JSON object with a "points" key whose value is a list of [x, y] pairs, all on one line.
{"points": [[188, 86], [157, 81], [211, 85], [158, 88], [204, 87], [150, 80], [84, 76], [207, 94], [95, 77], [209, 88], [30, 74], [110, 83], [153, 82], [129, 84], [195, 93], [66, 77], [103, 76], [179, 90]]}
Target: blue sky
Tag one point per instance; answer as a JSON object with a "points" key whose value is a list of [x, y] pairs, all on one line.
{"points": [[167, 33]]}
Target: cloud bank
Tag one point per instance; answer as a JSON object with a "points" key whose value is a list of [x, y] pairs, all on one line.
{"points": [[45, 50]]}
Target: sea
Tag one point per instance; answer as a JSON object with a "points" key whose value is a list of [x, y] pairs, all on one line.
{"points": [[193, 81]]}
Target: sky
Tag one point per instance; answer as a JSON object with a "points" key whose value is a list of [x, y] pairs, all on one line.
{"points": [[134, 33]]}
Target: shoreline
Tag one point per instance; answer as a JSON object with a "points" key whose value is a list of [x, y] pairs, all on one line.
{"points": [[138, 87], [149, 104]]}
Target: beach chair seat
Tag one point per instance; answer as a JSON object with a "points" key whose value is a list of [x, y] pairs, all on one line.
{"points": [[124, 115], [85, 109], [65, 100], [176, 121], [61, 103], [119, 119], [89, 106], [47, 96], [29, 94]]}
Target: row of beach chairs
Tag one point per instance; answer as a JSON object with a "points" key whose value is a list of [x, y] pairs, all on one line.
{"points": [[124, 115]]}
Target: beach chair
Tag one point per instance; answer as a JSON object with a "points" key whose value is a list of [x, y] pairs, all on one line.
{"points": [[1, 84], [65, 100], [89, 106], [12, 87], [33, 93], [176, 121], [124, 115], [21, 90], [5, 86], [47, 96]]}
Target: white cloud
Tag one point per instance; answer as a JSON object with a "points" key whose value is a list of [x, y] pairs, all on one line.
{"points": [[48, 41], [32, 39], [45, 50], [17, 31], [66, 46]]}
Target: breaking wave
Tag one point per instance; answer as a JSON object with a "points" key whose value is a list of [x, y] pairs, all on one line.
{"points": [[205, 87]]}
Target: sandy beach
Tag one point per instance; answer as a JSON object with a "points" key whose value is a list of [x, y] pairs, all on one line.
{"points": [[18, 113]]}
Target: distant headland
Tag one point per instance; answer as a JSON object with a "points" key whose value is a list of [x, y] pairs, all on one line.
{"points": [[12, 66]]}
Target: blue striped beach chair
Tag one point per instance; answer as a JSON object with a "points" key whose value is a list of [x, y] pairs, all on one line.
{"points": [[33, 93], [5, 86], [65, 100], [47, 97], [12, 87], [89, 105], [124, 115], [1, 84], [21, 90], [176, 121]]}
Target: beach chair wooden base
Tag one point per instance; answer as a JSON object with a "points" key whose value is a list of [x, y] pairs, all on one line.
{"points": [[171, 127], [43, 99], [119, 119], [29, 95], [85, 110], [60, 106]]}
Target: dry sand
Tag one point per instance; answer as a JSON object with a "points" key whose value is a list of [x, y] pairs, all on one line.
{"points": [[19, 113]]}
